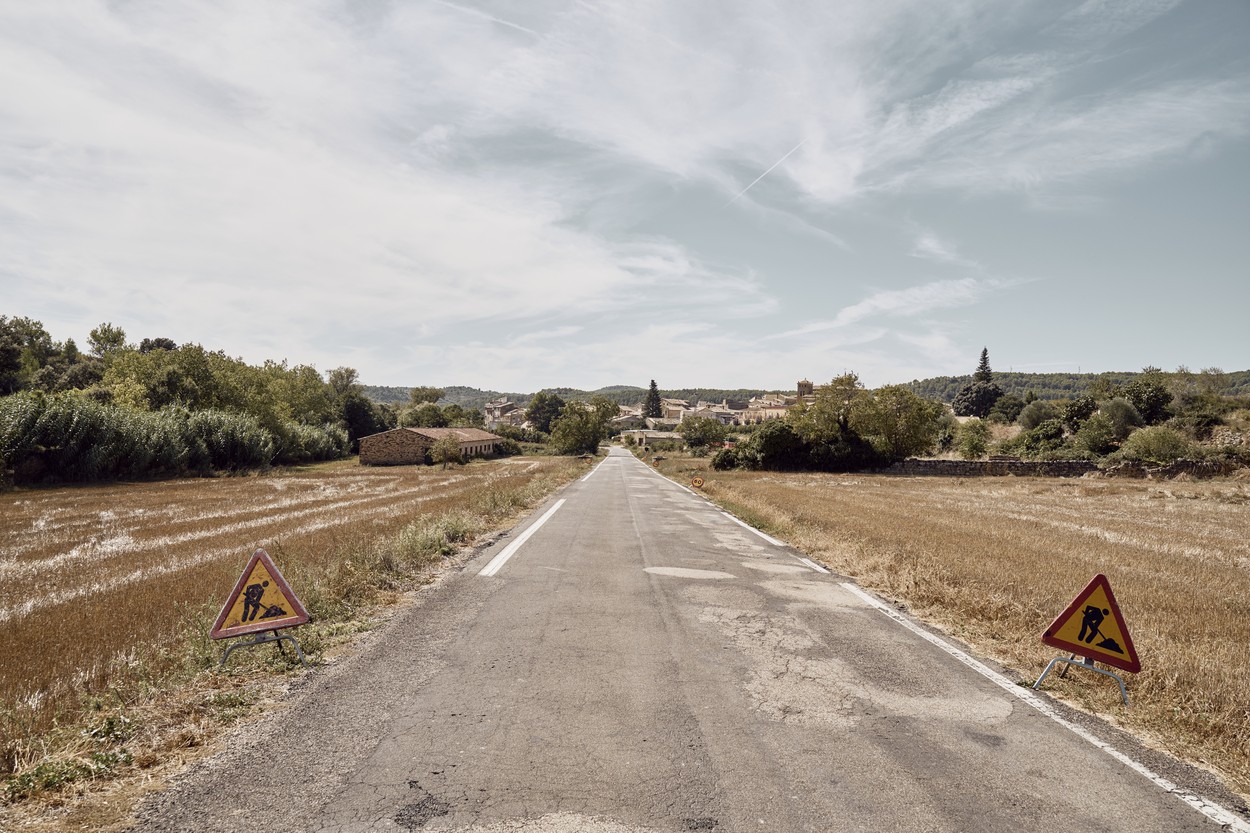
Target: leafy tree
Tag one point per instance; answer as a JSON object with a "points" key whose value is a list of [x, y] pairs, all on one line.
{"points": [[828, 416], [700, 432], [1101, 387], [604, 408], [543, 409], [897, 422], [651, 406], [424, 394], [446, 450], [427, 415], [1035, 413], [1122, 415], [458, 417], [80, 376], [775, 446], [190, 377], [1212, 381], [577, 430], [1150, 397], [10, 357], [106, 339], [1047, 436], [948, 429], [364, 418], [1097, 434], [1006, 409], [344, 382], [846, 452], [976, 399], [1157, 444], [973, 439], [150, 344], [1078, 410]]}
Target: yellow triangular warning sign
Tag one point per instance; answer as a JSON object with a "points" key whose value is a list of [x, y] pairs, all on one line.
{"points": [[261, 601], [1093, 627]]}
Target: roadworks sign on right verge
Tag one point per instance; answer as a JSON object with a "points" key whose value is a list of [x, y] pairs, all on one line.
{"points": [[1092, 626]]}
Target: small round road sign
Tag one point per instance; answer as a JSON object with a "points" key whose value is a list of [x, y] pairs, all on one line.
{"points": [[697, 482]]}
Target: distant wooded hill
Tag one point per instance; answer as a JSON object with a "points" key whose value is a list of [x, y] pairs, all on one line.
{"points": [[621, 394], [1050, 385], [943, 388]]}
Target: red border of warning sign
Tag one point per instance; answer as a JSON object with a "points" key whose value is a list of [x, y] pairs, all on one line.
{"points": [[299, 615], [1132, 664]]}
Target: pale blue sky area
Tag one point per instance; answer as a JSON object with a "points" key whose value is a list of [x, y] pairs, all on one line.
{"points": [[518, 195]]}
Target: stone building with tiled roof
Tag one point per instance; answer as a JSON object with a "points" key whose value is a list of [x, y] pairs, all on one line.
{"points": [[411, 446]]}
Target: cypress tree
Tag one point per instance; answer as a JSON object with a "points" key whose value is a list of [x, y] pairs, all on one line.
{"points": [[983, 374], [651, 406]]}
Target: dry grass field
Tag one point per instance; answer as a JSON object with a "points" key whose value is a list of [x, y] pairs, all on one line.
{"points": [[994, 560], [99, 583]]}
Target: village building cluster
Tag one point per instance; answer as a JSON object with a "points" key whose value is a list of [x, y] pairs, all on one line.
{"points": [[673, 412], [405, 446]]}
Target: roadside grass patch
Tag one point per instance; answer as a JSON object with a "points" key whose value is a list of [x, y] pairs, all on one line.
{"points": [[122, 678], [993, 560]]}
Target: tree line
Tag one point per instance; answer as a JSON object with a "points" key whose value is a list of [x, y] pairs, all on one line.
{"points": [[156, 408], [1151, 417]]}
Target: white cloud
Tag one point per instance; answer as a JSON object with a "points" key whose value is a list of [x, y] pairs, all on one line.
{"points": [[459, 182], [929, 246]]}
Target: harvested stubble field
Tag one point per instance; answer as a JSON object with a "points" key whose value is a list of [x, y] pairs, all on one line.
{"points": [[994, 560], [95, 581]]}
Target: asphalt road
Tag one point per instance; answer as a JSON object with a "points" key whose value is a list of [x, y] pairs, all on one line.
{"points": [[644, 663]]}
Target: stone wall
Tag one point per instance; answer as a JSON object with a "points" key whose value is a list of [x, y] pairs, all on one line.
{"points": [[1057, 468], [1192, 468], [993, 468]]}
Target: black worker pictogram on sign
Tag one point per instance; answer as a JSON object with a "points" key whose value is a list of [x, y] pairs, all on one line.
{"points": [[261, 601], [1092, 626]]}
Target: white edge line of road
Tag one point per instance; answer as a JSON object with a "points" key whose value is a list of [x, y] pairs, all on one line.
{"points": [[595, 469], [1210, 809], [498, 561]]}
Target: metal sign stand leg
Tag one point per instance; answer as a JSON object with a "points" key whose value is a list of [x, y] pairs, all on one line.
{"points": [[264, 639], [1085, 663]]}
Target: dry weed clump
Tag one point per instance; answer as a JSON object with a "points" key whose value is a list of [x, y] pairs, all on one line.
{"points": [[994, 560], [107, 593]]}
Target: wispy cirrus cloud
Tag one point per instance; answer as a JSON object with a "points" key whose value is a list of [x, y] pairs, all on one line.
{"points": [[910, 302], [929, 246]]}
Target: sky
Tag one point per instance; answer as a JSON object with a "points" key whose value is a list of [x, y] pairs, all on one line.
{"points": [[709, 193]]}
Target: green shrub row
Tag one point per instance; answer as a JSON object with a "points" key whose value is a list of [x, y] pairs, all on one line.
{"points": [[68, 437]]}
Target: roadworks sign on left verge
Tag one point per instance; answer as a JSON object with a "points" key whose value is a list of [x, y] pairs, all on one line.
{"points": [[261, 601]]}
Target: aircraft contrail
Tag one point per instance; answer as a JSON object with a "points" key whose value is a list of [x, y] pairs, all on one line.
{"points": [[485, 16], [767, 172]]}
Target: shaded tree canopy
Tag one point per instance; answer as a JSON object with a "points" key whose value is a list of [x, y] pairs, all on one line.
{"points": [[150, 344], [699, 432], [424, 393], [577, 430], [977, 399], [543, 409]]}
